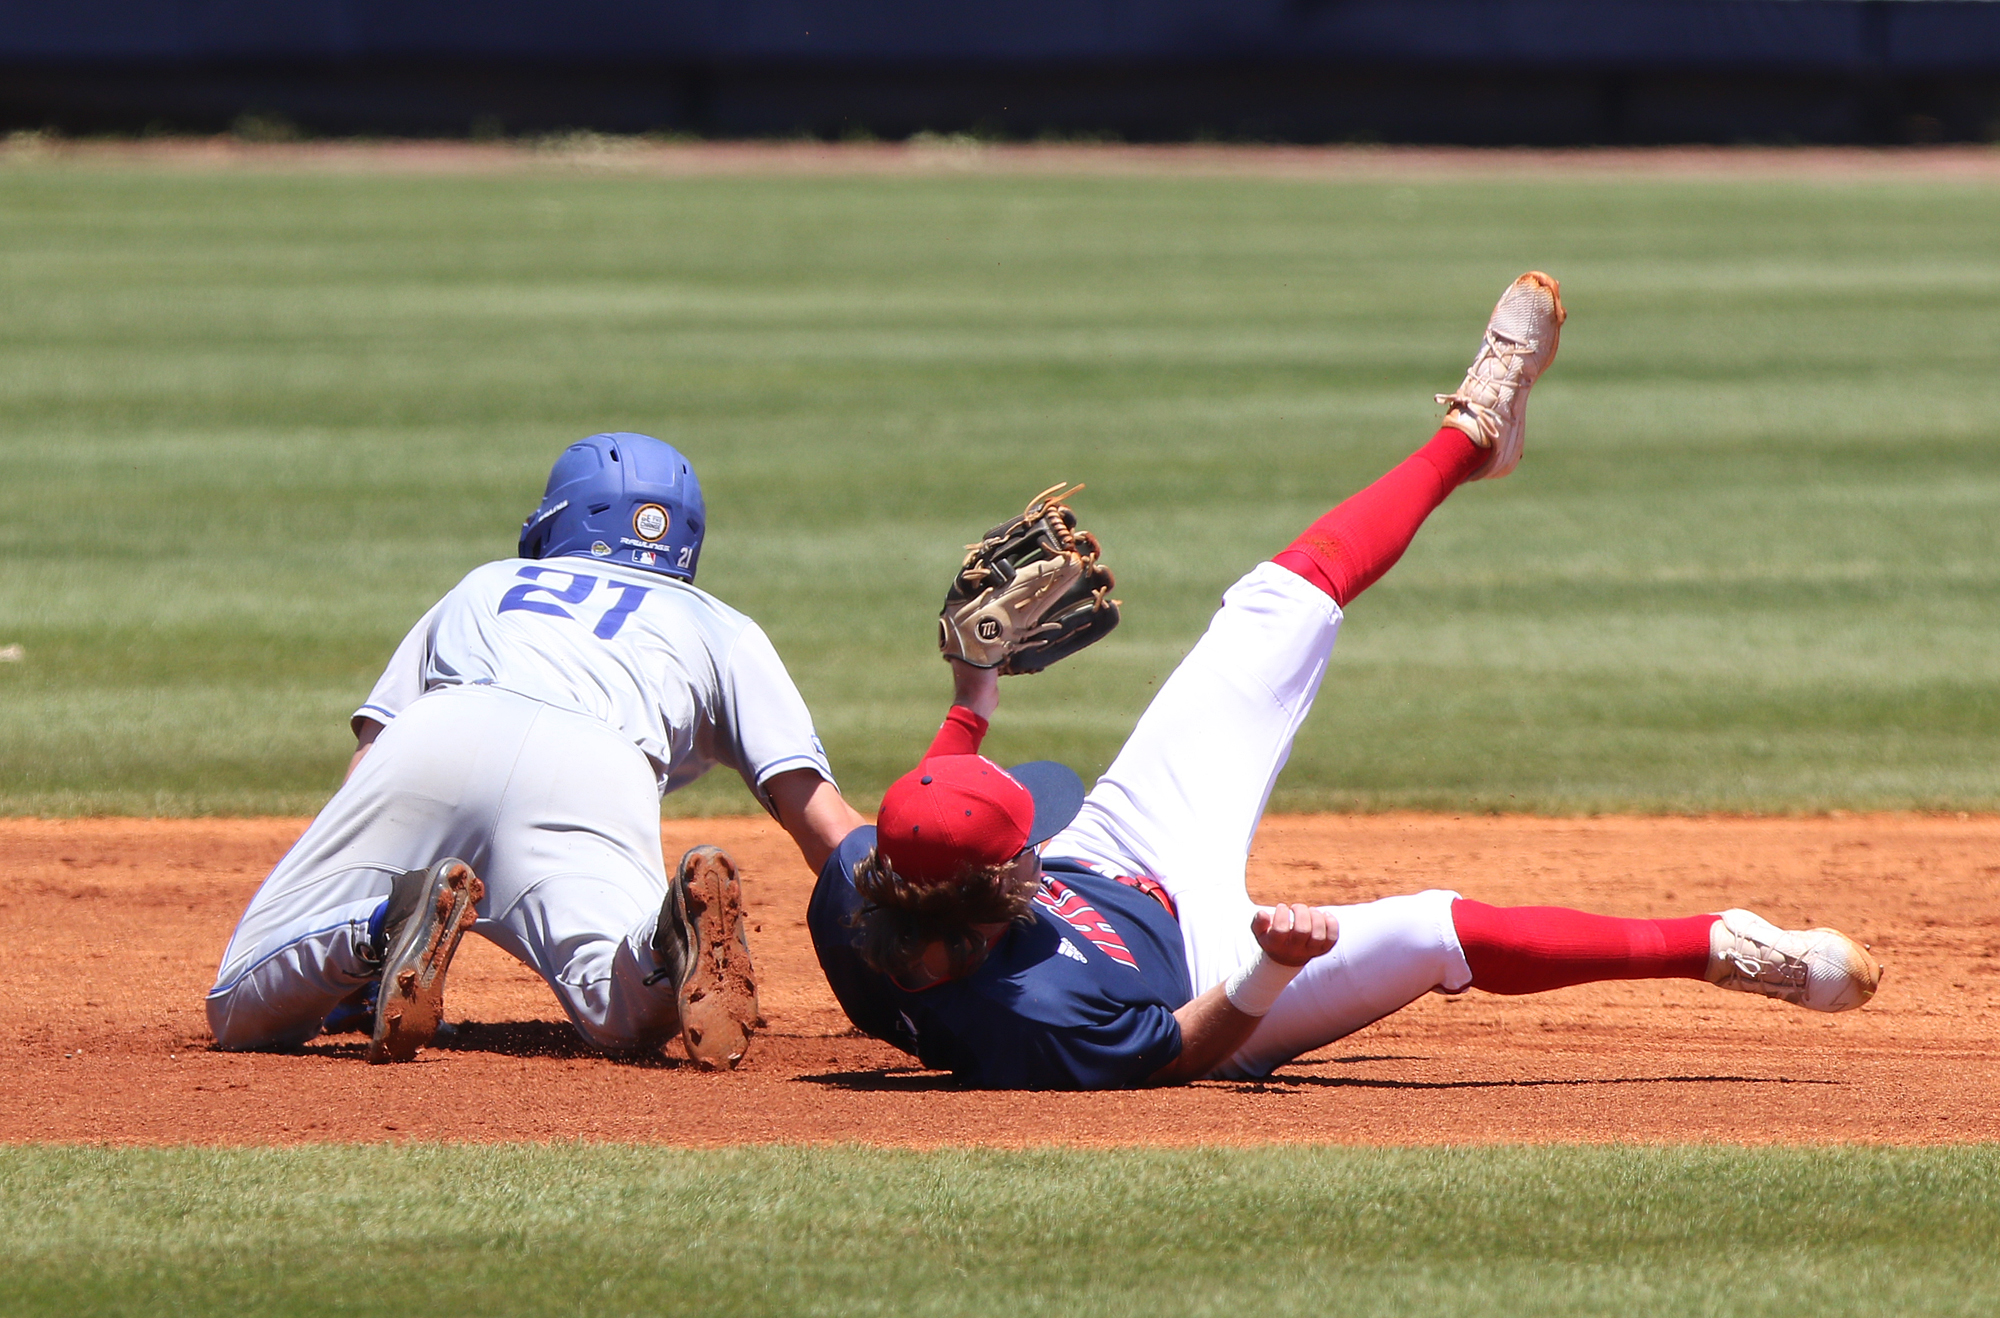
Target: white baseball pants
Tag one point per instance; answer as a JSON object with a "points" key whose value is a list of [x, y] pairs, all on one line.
{"points": [[1182, 801], [557, 813]]}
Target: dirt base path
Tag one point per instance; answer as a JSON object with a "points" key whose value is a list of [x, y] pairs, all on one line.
{"points": [[113, 927]]}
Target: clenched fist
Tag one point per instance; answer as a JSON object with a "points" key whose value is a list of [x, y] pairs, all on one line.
{"points": [[1295, 933]]}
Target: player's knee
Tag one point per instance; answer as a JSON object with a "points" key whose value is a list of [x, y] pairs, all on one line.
{"points": [[242, 1031], [627, 1037], [615, 1022], [230, 1036], [1426, 937]]}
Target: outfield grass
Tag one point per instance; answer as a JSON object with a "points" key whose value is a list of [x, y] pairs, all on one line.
{"points": [[254, 423], [621, 1230]]}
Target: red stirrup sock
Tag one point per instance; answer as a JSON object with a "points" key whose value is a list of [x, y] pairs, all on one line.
{"points": [[1346, 551], [1529, 949]]}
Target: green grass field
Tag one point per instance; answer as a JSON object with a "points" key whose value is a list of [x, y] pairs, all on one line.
{"points": [[617, 1230], [256, 422]]}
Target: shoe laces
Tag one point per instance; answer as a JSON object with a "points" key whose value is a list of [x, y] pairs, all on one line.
{"points": [[1504, 353], [1767, 965], [1507, 349], [1494, 369]]}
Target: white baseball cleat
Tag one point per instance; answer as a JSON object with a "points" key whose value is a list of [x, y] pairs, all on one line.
{"points": [[1819, 969], [1491, 407]]}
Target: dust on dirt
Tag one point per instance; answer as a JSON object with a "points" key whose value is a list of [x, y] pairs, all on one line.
{"points": [[113, 928]]}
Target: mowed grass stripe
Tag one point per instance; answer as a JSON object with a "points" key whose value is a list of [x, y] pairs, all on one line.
{"points": [[251, 425], [615, 1230]]}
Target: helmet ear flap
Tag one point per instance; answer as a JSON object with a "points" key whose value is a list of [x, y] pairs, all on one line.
{"points": [[535, 534]]}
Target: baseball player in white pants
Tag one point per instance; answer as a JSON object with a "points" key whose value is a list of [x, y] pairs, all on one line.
{"points": [[1182, 801], [1001, 925], [508, 778]]}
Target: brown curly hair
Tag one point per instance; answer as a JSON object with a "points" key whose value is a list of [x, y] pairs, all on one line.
{"points": [[901, 919]]}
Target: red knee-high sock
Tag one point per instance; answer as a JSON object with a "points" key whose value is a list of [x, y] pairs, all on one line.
{"points": [[1346, 551], [1529, 949]]}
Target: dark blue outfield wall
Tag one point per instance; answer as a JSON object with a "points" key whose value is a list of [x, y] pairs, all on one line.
{"points": [[1540, 71]]}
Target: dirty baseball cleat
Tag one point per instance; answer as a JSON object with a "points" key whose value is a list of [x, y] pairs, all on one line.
{"points": [[1819, 969], [703, 947], [1491, 406], [429, 911]]}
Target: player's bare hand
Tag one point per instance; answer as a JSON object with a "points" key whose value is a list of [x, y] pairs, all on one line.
{"points": [[1294, 933]]}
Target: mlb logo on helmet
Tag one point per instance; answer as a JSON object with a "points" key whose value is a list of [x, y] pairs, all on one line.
{"points": [[645, 557]]}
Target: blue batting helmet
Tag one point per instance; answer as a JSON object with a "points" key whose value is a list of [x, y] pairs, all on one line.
{"points": [[623, 498]]}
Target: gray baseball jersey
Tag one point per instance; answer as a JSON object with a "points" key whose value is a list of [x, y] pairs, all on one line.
{"points": [[688, 680]]}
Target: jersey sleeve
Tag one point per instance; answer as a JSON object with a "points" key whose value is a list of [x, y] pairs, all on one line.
{"points": [[961, 733], [767, 729], [403, 680]]}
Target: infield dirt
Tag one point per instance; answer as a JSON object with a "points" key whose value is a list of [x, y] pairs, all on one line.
{"points": [[113, 927]]}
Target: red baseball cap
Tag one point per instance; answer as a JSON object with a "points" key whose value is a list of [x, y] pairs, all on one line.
{"points": [[952, 812]]}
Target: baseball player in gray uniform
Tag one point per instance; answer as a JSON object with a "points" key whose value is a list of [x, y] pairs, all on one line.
{"points": [[507, 780]]}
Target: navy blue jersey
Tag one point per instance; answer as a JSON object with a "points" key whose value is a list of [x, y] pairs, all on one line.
{"points": [[1083, 997]]}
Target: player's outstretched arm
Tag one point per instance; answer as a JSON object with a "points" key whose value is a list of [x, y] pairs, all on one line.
{"points": [[975, 695], [1222, 1019], [813, 811], [977, 689]]}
